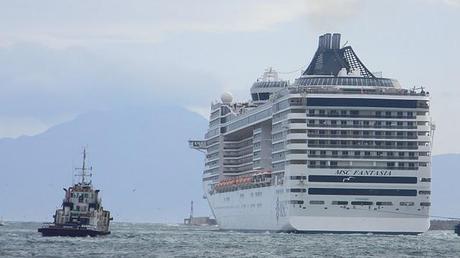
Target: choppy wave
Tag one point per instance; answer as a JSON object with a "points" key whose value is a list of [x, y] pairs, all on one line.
{"points": [[164, 240]]}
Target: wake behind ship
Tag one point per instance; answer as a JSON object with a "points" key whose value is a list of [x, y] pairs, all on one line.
{"points": [[337, 150], [82, 213]]}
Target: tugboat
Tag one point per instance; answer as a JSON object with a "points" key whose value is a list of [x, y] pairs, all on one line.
{"points": [[82, 213]]}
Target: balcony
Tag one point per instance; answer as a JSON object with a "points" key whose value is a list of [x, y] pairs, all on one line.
{"points": [[401, 137], [238, 165], [360, 116], [351, 146], [363, 157], [238, 162], [293, 146], [292, 136], [311, 125], [297, 126], [237, 153], [296, 156]]}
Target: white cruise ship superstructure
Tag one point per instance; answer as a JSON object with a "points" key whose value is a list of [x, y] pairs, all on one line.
{"points": [[337, 150]]}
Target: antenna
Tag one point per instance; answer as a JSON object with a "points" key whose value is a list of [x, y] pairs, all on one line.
{"points": [[191, 210], [84, 170]]}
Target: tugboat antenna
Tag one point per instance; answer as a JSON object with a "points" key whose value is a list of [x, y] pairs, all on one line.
{"points": [[191, 210], [84, 169]]}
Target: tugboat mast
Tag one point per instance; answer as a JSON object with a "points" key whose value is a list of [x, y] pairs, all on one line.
{"points": [[84, 170]]}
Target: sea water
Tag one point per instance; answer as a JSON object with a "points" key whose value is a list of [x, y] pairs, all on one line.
{"points": [[20, 239]]}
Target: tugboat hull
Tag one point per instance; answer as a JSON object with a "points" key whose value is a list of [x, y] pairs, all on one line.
{"points": [[71, 232]]}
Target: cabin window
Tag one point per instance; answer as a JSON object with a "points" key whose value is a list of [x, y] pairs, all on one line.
{"points": [[383, 203], [362, 203], [424, 192], [360, 191], [298, 177], [298, 190], [406, 203]]}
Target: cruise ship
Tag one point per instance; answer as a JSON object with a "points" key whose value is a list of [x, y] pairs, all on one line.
{"points": [[339, 149]]}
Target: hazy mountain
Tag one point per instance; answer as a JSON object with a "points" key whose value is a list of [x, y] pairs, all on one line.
{"points": [[141, 162], [140, 157]]}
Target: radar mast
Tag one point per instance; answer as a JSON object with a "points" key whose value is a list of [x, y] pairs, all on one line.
{"points": [[84, 170]]}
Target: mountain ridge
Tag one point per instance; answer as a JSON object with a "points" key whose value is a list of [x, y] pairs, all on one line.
{"points": [[134, 152]]}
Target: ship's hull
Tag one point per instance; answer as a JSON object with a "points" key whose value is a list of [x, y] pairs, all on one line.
{"points": [[70, 232], [264, 209]]}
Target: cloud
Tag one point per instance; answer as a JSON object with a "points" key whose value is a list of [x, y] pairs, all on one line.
{"points": [[15, 126], [448, 3], [63, 23], [44, 86], [54, 63], [454, 3]]}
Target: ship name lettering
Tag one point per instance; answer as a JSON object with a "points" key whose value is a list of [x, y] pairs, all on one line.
{"points": [[371, 172], [363, 172], [343, 172]]}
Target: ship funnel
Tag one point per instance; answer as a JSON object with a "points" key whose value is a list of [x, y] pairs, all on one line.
{"points": [[321, 41], [330, 59], [325, 41], [336, 41], [329, 41]]}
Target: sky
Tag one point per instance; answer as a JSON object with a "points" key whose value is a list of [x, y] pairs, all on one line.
{"points": [[62, 58]]}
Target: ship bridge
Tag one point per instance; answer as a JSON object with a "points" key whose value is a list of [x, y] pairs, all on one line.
{"points": [[266, 85]]}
